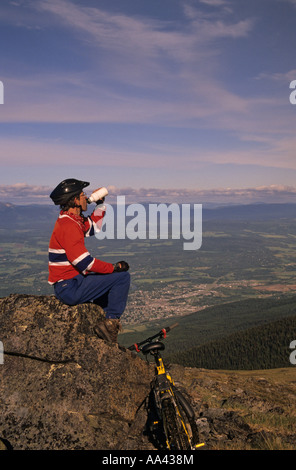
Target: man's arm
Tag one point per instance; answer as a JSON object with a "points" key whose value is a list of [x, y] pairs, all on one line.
{"points": [[95, 220], [77, 254]]}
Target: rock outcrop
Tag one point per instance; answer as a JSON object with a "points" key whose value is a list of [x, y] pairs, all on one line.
{"points": [[61, 387]]}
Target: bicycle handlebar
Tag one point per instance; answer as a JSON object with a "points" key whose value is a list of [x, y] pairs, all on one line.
{"points": [[161, 334], [169, 328]]}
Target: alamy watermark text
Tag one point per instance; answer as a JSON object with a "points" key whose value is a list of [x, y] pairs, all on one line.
{"points": [[1, 93], [293, 353], [1, 353], [153, 221], [293, 93]]}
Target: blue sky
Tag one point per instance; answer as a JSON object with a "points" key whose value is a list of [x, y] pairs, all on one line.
{"points": [[183, 97]]}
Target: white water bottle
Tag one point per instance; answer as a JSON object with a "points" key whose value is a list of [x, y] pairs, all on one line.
{"points": [[97, 195]]}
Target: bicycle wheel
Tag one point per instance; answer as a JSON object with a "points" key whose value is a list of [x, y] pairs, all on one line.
{"points": [[177, 438], [154, 425], [188, 416]]}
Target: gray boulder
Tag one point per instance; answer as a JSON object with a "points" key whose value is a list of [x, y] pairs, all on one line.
{"points": [[63, 388]]}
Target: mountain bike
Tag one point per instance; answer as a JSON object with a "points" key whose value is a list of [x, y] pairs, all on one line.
{"points": [[170, 414]]}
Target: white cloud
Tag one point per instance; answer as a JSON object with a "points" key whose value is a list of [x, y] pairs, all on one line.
{"points": [[141, 51], [21, 193], [215, 3], [144, 71], [293, 2], [284, 77], [57, 152], [140, 70], [272, 193], [142, 34]]}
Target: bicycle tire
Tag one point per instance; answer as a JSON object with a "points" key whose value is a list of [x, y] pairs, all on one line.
{"points": [[176, 436], [188, 416]]}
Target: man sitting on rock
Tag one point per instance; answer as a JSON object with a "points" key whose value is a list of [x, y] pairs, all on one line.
{"points": [[77, 276]]}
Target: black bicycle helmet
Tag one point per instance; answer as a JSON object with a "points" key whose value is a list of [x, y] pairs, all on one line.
{"points": [[66, 190]]}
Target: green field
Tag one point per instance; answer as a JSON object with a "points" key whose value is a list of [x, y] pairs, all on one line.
{"points": [[237, 258]]}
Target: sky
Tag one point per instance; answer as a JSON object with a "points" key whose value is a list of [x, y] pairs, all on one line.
{"points": [[174, 99]]}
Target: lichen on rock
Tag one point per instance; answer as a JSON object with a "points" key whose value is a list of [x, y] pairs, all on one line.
{"points": [[61, 387]]}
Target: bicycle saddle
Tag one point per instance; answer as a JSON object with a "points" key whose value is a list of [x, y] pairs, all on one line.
{"points": [[153, 347]]}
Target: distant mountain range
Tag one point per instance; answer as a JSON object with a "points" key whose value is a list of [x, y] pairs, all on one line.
{"points": [[26, 215]]}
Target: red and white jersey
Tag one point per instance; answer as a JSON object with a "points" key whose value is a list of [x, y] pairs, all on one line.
{"points": [[68, 255]]}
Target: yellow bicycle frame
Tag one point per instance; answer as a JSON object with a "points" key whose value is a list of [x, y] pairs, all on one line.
{"points": [[160, 371]]}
